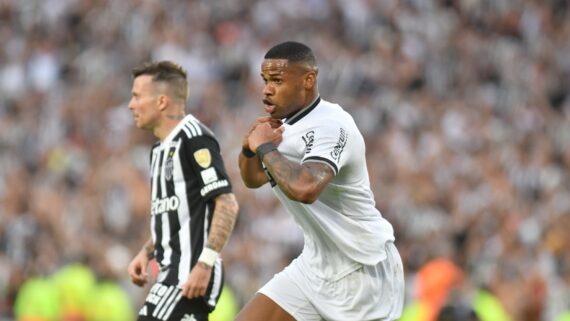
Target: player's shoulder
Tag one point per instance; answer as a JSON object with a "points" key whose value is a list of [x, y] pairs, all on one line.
{"points": [[330, 114], [193, 129]]}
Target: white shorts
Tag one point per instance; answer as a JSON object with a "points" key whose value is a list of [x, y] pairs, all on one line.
{"points": [[367, 294]]}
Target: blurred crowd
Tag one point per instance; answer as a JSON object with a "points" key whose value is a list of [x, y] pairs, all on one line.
{"points": [[464, 105]]}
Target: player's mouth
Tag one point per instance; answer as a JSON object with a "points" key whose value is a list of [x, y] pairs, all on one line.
{"points": [[268, 106]]}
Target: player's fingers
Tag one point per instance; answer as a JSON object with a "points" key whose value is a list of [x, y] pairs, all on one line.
{"points": [[198, 292], [137, 280], [137, 271], [132, 272], [275, 122], [185, 290]]}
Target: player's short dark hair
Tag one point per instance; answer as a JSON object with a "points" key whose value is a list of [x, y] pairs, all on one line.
{"points": [[293, 52], [166, 72]]}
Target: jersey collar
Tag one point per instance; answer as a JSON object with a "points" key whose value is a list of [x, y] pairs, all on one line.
{"points": [[175, 130], [303, 112]]}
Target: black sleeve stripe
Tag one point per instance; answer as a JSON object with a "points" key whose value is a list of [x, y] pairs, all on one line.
{"points": [[323, 160]]}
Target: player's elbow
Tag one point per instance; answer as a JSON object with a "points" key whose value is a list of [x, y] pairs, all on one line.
{"points": [[305, 194], [250, 183], [229, 202], [308, 199]]}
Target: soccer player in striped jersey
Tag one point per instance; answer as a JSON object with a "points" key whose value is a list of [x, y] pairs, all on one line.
{"points": [[193, 210], [315, 162]]}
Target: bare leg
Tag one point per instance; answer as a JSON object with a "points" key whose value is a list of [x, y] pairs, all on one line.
{"points": [[262, 308]]}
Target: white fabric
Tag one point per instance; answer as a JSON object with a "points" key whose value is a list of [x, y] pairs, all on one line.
{"points": [[343, 229], [366, 294]]}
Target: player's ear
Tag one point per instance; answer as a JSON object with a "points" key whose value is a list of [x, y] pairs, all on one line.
{"points": [[162, 102], [310, 79]]}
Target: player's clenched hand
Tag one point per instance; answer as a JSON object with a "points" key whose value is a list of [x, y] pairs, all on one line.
{"points": [[273, 122], [137, 269], [197, 282], [264, 133]]}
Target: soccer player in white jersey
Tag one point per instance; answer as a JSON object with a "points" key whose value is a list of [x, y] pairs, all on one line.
{"points": [[193, 209], [313, 156]]}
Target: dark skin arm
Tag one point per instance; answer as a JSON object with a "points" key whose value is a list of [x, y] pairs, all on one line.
{"points": [[251, 169], [223, 221], [300, 182]]}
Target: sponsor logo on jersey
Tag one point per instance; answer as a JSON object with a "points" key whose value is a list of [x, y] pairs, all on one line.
{"points": [[156, 293], [212, 186], [309, 138], [203, 157], [209, 175], [164, 298], [339, 147], [164, 205]]}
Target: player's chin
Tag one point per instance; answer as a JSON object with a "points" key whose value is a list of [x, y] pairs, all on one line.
{"points": [[141, 125], [275, 116]]}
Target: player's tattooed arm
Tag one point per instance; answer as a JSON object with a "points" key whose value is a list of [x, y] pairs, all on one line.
{"points": [[300, 182], [223, 221], [148, 249]]}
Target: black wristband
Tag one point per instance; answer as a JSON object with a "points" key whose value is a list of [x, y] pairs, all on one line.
{"points": [[264, 149], [247, 152]]}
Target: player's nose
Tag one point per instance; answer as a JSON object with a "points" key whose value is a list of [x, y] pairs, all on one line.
{"points": [[268, 90]]}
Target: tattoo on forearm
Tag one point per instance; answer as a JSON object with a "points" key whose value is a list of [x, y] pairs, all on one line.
{"points": [[223, 222], [149, 249], [282, 170], [288, 174]]}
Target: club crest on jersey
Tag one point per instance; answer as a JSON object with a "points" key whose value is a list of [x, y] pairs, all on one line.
{"points": [[168, 169], [203, 157], [309, 138], [169, 165]]}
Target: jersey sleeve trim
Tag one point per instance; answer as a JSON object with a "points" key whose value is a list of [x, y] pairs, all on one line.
{"points": [[323, 160]]}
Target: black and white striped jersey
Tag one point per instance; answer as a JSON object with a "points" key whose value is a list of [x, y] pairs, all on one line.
{"points": [[187, 173]]}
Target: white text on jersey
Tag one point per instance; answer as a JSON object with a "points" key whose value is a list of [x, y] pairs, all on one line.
{"points": [[164, 205]]}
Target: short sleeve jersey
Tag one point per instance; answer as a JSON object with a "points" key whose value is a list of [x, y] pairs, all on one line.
{"points": [[187, 173], [342, 229]]}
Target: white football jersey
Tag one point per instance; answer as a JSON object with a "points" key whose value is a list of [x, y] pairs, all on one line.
{"points": [[342, 229]]}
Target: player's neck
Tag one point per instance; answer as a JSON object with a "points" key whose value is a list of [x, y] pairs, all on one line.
{"points": [[169, 122], [306, 104]]}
